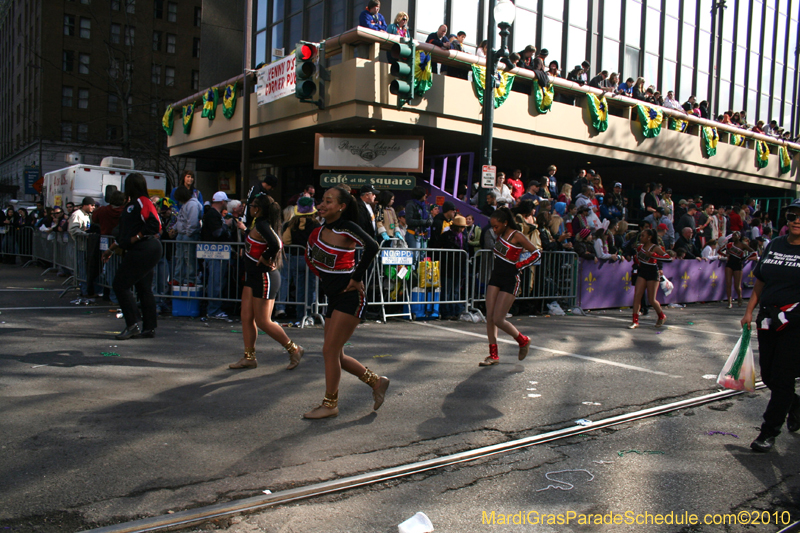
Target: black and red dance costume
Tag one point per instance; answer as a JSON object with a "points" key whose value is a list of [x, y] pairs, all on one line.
{"points": [[647, 269], [265, 283], [506, 277], [737, 256], [507, 266], [335, 267]]}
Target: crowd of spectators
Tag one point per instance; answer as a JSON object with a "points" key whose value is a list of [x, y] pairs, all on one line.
{"points": [[536, 60]]}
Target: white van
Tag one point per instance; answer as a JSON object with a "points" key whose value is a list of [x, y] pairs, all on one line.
{"points": [[74, 183]]}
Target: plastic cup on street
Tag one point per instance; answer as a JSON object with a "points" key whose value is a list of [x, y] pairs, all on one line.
{"points": [[419, 523]]}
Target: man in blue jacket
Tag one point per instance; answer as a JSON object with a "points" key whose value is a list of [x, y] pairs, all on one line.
{"points": [[371, 18]]}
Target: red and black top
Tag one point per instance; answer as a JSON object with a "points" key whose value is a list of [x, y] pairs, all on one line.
{"points": [[269, 248], [139, 216], [641, 256], [739, 253], [335, 266], [510, 253]]}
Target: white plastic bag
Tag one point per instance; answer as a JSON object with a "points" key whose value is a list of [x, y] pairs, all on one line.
{"points": [[666, 286], [555, 309], [739, 372]]}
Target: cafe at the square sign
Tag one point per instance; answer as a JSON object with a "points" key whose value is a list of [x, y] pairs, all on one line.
{"points": [[368, 152]]}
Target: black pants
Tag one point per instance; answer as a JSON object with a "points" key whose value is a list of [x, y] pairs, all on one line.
{"points": [[780, 365], [136, 270], [92, 261]]}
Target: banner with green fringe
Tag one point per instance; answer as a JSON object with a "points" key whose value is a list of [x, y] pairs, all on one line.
{"points": [[737, 140], [762, 154], [423, 73], [651, 120], [229, 101], [785, 159], [677, 124], [503, 80], [188, 115], [710, 140], [210, 98], [543, 97], [598, 109], [168, 120]]}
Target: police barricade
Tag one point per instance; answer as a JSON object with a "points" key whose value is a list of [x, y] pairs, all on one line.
{"points": [[552, 278], [298, 291], [64, 257], [43, 246], [16, 242]]}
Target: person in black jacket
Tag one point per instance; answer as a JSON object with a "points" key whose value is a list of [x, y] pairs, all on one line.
{"points": [[366, 210], [215, 229], [418, 218], [440, 224], [139, 228]]}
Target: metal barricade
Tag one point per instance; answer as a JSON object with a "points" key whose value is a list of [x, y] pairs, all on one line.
{"points": [[42, 246], [553, 277]]}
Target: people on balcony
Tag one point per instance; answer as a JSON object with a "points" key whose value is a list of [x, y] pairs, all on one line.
{"points": [[371, 17], [400, 25]]}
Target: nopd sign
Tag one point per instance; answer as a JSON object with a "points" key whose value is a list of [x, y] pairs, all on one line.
{"points": [[356, 181]]}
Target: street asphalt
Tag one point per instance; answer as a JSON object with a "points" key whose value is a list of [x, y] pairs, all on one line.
{"points": [[98, 431]]}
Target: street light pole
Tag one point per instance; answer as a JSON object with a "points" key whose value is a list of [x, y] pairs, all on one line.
{"points": [[504, 11]]}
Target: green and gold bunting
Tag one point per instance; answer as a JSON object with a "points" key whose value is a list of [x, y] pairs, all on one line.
{"points": [[543, 97], [168, 120], [710, 140], [210, 98], [188, 115], [785, 159], [229, 101], [762, 154], [423, 73], [651, 120], [736, 139], [503, 80], [677, 124], [598, 109]]}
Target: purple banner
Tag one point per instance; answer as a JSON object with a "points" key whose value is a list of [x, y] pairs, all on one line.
{"points": [[606, 285]]}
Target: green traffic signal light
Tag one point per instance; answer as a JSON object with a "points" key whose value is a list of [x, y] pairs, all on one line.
{"points": [[402, 68]]}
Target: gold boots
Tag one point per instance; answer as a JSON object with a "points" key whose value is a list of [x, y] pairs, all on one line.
{"points": [[329, 407], [248, 361], [378, 393], [295, 353]]}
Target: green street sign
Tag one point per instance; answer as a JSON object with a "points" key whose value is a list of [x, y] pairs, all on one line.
{"points": [[356, 181]]}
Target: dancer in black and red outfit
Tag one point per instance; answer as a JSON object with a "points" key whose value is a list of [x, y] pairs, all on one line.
{"points": [[648, 254], [737, 253], [504, 282], [263, 259], [331, 256], [139, 228]]}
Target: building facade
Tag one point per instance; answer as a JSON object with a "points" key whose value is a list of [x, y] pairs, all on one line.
{"points": [[92, 77], [736, 54]]}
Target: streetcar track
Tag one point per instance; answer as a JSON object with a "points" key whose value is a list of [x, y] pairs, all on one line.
{"points": [[195, 516]]}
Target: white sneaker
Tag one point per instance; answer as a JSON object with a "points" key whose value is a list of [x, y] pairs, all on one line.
{"points": [[220, 315], [509, 315]]}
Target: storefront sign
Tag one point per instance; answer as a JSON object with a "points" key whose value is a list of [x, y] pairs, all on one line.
{"points": [[361, 152], [214, 251], [276, 80], [356, 181]]}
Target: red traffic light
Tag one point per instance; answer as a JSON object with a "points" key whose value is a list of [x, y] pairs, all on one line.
{"points": [[307, 52]]}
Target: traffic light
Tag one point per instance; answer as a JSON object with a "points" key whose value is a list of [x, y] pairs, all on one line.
{"points": [[402, 68], [305, 67]]}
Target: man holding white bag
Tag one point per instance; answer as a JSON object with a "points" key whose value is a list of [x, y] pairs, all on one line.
{"points": [[777, 289]]}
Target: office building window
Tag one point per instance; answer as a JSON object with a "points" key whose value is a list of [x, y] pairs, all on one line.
{"points": [[86, 28], [158, 9], [156, 41], [113, 101], [68, 60], [111, 133], [169, 77], [69, 25], [66, 132], [172, 11], [195, 80], [196, 47], [115, 5], [83, 98], [154, 108], [66, 97], [130, 6], [198, 16], [83, 63], [155, 76], [83, 132], [129, 35], [130, 104], [171, 41], [113, 68], [116, 32]]}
